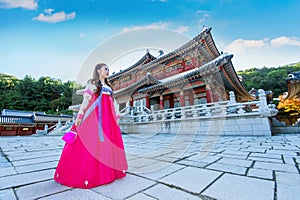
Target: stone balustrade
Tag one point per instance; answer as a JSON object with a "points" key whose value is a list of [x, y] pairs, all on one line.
{"points": [[219, 118]]}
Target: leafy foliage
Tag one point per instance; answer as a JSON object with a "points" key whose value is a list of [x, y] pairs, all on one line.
{"points": [[45, 94], [290, 106], [273, 79]]}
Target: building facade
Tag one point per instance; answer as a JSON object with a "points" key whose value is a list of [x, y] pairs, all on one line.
{"points": [[16, 122], [195, 73]]}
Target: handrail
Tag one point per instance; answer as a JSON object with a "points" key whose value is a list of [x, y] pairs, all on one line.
{"points": [[217, 109]]}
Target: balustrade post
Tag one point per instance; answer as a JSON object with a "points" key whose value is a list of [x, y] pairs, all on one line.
{"points": [[208, 110], [183, 111], [263, 107], [232, 98], [194, 111]]}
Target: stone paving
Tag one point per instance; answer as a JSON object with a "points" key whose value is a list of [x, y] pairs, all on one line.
{"points": [[162, 166]]}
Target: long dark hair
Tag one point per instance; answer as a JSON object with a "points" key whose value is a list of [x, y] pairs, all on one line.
{"points": [[95, 80]]}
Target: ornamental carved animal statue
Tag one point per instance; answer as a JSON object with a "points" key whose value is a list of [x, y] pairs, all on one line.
{"points": [[293, 83]]}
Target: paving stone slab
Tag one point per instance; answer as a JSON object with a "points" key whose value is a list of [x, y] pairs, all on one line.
{"points": [[38, 190], [269, 160], [234, 187], [5, 164], [6, 171], [166, 158], [125, 187], [154, 168], [240, 153], [266, 155], [288, 186], [202, 158], [255, 150], [141, 196], [236, 162], [162, 172], [260, 173], [276, 167], [141, 162], [26, 178], [7, 194], [282, 152], [161, 191], [289, 160], [31, 155], [224, 155], [192, 163], [36, 160], [191, 179], [228, 168], [76, 194], [36, 167]]}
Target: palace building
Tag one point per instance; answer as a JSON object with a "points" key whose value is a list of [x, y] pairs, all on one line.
{"points": [[17, 122], [195, 73]]}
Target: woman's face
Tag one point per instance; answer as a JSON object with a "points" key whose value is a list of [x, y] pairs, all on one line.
{"points": [[103, 72]]}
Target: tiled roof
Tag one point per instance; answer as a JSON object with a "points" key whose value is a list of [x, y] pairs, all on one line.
{"points": [[51, 118], [29, 117], [8, 112], [177, 79], [145, 59], [205, 36], [15, 120]]}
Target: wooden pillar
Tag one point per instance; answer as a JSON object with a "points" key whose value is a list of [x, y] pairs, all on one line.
{"points": [[147, 102], [18, 129], [208, 96], [161, 102], [172, 100], [181, 98], [131, 103], [191, 97]]}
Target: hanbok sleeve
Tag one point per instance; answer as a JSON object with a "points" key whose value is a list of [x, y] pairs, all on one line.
{"points": [[87, 96]]}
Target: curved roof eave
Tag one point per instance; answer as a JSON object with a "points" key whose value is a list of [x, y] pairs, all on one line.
{"points": [[204, 35], [233, 83], [146, 79], [212, 66]]}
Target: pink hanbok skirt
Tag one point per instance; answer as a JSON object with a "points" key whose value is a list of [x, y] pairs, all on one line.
{"points": [[91, 161]]}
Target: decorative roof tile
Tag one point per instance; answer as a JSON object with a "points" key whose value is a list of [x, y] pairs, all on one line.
{"points": [[15, 120]]}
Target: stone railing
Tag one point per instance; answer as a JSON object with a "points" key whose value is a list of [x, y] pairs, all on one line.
{"points": [[210, 110]]}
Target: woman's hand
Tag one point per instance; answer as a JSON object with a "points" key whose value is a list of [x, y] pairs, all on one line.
{"points": [[78, 122]]}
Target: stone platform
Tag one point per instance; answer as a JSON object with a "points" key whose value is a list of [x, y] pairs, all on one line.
{"points": [[163, 166]]}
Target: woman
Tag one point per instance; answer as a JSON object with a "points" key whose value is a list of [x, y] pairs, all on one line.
{"points": [[97, 156]]}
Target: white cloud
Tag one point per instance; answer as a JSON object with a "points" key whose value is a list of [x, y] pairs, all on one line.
{"points": [[50, 17], [183, 29], [204, 15], [160, 25], [240, 45], [201, 12], [163, 25], [264, 52], [281, 41], [26, 4]]}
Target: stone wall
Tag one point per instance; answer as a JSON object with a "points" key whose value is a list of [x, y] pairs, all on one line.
{"points": [[252, 125]]}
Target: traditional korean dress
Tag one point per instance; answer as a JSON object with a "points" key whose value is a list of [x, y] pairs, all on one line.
{"points": [[97, 156]]}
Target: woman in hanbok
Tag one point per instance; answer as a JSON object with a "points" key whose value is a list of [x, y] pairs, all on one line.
{"points": [[97, 155]]}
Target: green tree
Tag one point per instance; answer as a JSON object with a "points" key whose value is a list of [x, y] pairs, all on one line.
{"points": [[273, 79]]}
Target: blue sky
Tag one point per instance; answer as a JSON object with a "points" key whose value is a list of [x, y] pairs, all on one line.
{"points": [[54, 38]]}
